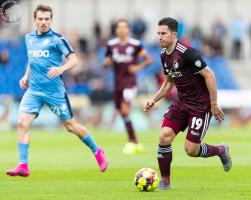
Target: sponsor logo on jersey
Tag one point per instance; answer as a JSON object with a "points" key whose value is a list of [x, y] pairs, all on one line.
{"points": [[121, 58], [198, 63], [129, 50], [38, 53], [173, 72]]}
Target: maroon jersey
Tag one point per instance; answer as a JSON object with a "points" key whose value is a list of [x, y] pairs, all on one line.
{"points": [[124, 55], [183, 66]]}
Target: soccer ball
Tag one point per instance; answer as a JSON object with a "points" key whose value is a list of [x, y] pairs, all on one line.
{"points": [[146, 179]]}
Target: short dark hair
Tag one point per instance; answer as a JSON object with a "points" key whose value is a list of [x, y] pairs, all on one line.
{"points": [[170, 22], [43, 8], [122, 20]]}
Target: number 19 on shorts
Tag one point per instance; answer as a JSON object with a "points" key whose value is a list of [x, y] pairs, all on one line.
{"points": [[199, 125]]}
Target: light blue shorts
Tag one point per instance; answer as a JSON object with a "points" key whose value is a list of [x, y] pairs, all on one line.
{"points": [[32, 102]]}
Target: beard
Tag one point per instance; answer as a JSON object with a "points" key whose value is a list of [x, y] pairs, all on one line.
{"points": [[163, 44]]}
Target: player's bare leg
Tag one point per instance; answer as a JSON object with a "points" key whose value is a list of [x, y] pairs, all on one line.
{"points": [[165, 156], [23, 126], [79, 130], [132, 147], [205, 151]]}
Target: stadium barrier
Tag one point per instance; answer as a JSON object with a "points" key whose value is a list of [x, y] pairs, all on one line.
{"points": [[229, 99], [84, 109]]}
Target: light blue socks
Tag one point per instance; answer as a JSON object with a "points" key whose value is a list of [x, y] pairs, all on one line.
{"points": [[23, 150], [90, 143]]}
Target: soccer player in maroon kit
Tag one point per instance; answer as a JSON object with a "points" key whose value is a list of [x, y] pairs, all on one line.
{"points": [[195, 104], [123, 53]]}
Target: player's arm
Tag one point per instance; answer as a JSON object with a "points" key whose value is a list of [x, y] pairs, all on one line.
{"points": [[71, 62], [108, 57], [162, 92], [27, 72], [197, 64], [64, 47], [107, 62], [23, 83], [147, 60], [210, 80]]}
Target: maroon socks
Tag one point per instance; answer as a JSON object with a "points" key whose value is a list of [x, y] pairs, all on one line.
{"points": [[130, 130], [210, 150], [165, 156]]}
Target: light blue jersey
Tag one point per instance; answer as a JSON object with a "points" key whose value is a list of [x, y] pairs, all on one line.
{"points": [[45, 51]]}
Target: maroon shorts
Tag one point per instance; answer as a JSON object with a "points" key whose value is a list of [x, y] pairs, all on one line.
{"points": [[179, 118], [126, 95]]}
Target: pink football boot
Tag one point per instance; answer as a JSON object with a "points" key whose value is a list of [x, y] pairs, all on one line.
{"points": [[21, 170], [101, 160]]}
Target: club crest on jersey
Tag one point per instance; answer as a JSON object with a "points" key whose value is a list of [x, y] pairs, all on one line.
{"points": [[198, 63], [46, 42], [129, 50], [175, 64]]}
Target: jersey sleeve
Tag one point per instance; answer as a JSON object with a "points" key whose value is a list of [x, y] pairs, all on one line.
{"points": [[194, 60], [108, 52], [26, 45], [141, 51], [64, 46], [25, 40], [163, 65]]}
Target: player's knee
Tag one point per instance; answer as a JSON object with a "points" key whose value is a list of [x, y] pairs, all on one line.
{"points": [[70, 127], [166, 137], [124, 113], [22, 124], [124, 109], [191, 151]]}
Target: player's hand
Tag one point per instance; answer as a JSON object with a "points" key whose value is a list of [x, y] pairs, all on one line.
{"points": [[148, 105], [133, 69], [23, 83], [217, 112], [54, 72], [107, 62]]}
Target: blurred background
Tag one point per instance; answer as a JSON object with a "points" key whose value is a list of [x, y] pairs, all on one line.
{"points": [[221, 30]]}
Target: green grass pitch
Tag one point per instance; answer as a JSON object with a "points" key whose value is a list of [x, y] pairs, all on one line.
{"points": [[63, 168]]}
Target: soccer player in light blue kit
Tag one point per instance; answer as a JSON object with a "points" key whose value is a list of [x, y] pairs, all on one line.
{"points": [[45, 87]]}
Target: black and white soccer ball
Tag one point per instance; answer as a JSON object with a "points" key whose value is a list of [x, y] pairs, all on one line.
{"points": [[146, 179]]}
